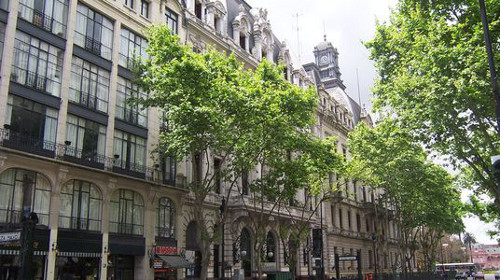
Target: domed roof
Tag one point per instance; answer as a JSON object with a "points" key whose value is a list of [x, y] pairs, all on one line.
{"points": [[323, 45]]}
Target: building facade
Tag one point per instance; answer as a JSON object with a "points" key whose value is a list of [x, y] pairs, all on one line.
{"points": [[76, 154]]}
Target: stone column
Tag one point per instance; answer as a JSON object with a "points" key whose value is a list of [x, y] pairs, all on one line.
{"points": [[54, 222], [8, 55], [236, 32], [257, 36], [106, 197], [66, 74]]}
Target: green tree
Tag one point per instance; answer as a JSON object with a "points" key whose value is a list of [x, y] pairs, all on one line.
{"points": [[469, 240], [434, 79], [214, 107], [426, 202]]}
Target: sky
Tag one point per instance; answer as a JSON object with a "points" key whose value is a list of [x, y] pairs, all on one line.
{"points": [[346, 23]]}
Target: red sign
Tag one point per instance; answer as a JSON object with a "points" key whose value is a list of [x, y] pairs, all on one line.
{"points": [[164, 250]]}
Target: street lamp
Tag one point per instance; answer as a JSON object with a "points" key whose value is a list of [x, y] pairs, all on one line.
{"points": [[445, 245], [222, 209], [374, 238]]}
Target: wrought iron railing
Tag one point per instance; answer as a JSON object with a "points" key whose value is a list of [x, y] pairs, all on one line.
{"points": [[9, 216], [89, 158], [29, 79], [66, 152], [93, 45], [79, 223], [41, 19], [125, 228]]}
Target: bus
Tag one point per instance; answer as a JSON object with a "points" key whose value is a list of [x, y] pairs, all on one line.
{"points": [[460, 270]]}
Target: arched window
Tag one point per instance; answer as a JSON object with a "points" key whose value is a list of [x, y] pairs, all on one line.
{"points": [[165, 223], [23, 191], [270, 248], [126, 213], [80, 206]]}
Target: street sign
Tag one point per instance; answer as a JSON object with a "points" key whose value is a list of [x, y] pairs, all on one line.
{"points": [[347, 258], [9, 236]]}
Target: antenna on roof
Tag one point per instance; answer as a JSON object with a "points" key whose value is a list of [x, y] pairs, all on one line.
{"points": [[297, 29], [359, 94], [324, 31]]}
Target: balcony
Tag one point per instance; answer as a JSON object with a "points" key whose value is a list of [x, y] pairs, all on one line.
{"points": [[65, 152], [29, 79], [125, 228], [79, 223], [88, 158], [92, 45], [40, 19], [13, 217], [26, 143], [129, 168]]}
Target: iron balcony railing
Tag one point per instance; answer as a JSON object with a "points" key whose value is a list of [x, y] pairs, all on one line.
{"points": [[92, 45], [29, 79], [36, 145]]}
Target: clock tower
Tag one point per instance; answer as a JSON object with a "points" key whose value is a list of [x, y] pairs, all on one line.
{"points": [[327, 61]]}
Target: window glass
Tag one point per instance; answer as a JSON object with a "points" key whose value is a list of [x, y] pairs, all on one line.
{"points": [[131, 46], [131, 151], [89, 85], [86, 138], [165, 226], [80, 206], [50, 15], [36, 64], [132, 113], [145, 8], [22, 192], [172, 21], [93, 31], [126, 213], [31, 123]]}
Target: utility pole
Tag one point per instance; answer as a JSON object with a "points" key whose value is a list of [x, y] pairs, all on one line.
{"points": [[297, 29], [491, 62], [223, 265]]}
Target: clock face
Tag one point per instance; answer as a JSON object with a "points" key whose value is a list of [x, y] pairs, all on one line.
{"points": [[324, 59]]}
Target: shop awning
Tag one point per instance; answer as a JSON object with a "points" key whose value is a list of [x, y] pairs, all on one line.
{"points": [[175, 261]]}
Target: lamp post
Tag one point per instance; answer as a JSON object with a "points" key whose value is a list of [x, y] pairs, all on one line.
{"points": [[223, 266], [29, 223], [491, 62], [374, 238]]}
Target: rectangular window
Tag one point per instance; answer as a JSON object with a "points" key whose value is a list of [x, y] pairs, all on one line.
{"points": [[217, 175], [50, 15], [244, 183], [332, 211], [89, 85], [129, 3], [358, 222], [367, 225], [85, 139], [132, 113], [169, 169], [130, 151], [145, 8], [172, 21], [32, 126], [131, 46], [36, 64], [93, 31], [341, 219], [4, 5], [2, 39], [349, 224]]}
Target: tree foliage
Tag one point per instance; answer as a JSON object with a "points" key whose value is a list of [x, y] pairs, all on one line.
{"points": [[426, 201], [434, 80], [214, 107]]}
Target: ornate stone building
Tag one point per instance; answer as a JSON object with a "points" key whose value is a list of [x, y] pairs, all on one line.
{"points": [[80, 157]]}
